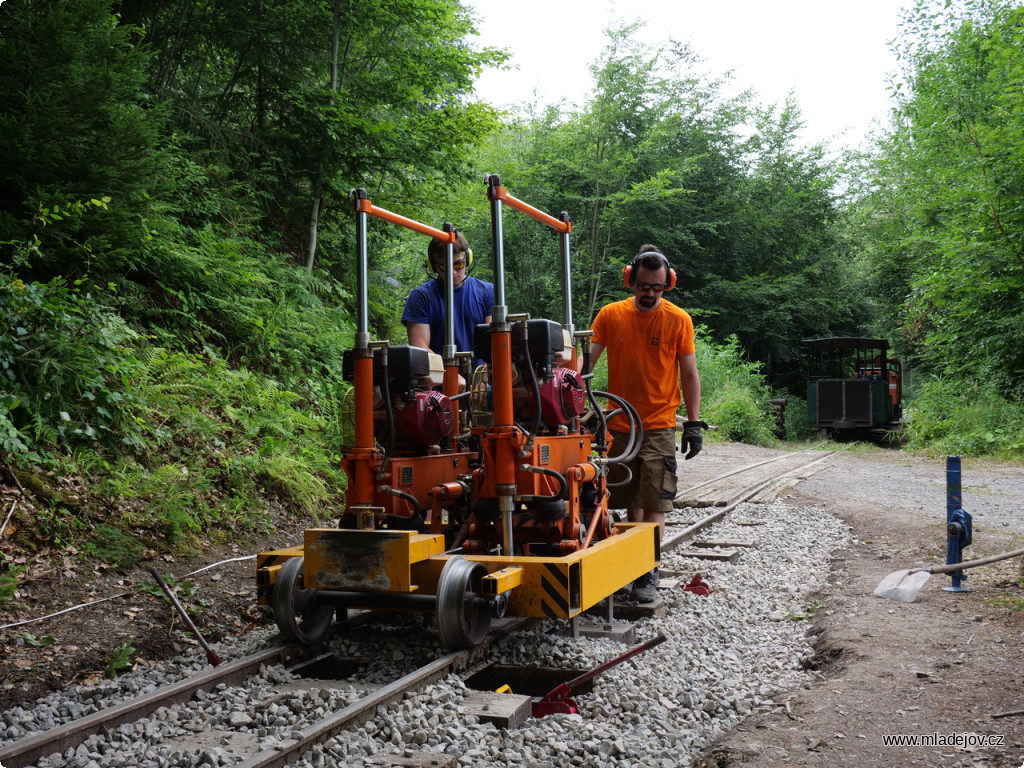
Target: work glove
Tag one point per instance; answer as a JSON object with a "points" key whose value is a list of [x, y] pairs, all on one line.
{"points": [[692, 440]]}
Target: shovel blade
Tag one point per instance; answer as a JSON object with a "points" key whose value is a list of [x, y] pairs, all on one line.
{"points": [[902, 586]]}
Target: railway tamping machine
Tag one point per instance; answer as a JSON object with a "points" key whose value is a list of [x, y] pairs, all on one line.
{"points": [[468, 505]]}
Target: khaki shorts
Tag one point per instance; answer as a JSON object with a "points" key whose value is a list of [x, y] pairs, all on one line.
{"points": [[653, 484]]}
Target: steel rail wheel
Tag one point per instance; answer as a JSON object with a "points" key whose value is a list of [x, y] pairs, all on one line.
{"points": [[296, 611], [463, 617]]}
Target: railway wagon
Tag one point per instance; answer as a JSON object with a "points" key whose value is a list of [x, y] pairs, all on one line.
{"points": [[854, 389]]}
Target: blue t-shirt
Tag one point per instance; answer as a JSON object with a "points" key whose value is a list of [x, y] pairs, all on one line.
{"points": [[474, 302]]}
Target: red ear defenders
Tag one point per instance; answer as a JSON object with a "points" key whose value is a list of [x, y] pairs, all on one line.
{"points": [[469, 262], [629, 271]]}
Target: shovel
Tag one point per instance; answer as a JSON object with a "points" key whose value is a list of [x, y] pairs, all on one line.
{"points": [[903, 586]]}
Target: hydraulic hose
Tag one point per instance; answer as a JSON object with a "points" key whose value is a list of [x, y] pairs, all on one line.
{"points": [[562, 482], [602, 431], [407, 497], [636, 430], [629, 477]]}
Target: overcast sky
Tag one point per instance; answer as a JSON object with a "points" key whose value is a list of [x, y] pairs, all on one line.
{"points": [[832, 54]]}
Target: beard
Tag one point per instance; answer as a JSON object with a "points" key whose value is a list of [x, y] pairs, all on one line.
{"points": [[647, 302]]}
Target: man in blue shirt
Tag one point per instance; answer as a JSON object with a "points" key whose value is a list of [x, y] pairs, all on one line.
{"points": [[424, 315]]}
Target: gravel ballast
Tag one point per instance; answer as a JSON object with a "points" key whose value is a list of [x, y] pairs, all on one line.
{"points": [[728, 655]]}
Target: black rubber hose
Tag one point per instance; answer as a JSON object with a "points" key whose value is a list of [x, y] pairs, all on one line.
{"points": [[636, 430], [406, 497], [562, 482], [602, 431], [629, 476]]}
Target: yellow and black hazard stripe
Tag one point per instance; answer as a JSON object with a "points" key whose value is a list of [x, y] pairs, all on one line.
{"points": [[555, 595]]}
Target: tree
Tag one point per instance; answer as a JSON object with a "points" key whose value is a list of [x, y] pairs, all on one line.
{"points": [[948, 189], [309, 99], [786, 274], [659, 155], [77, 125]]}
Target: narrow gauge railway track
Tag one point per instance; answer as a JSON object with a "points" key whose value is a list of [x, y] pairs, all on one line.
{"points": [[761, 481], [29, 750]]}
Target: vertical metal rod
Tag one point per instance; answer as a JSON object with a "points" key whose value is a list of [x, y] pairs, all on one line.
{"points": [[498, 243], [954, 503], [362, 282], [448, 351], [566, 280], [954, 498], [361, 488], [450, 383], [504, 469]]}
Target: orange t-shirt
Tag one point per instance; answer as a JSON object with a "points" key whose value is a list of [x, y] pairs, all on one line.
{"points": [[643, 351]]}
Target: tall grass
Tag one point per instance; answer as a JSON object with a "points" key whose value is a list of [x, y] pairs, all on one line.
{"points": [[734, 394], [965, 418]]}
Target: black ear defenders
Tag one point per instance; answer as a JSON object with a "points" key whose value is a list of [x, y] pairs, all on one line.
{"points": [[629, 271], [469, 262]]}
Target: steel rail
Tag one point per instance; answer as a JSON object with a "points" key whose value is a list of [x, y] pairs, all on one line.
{"points": [[745, 494], [362, 710], [29, 750], [680, 494]]}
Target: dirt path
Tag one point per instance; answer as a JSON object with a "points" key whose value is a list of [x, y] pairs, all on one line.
{"points": [[940, 667]]}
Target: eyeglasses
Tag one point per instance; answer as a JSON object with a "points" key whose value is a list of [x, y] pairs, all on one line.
{"points": [[656, 287], [456, 265]]}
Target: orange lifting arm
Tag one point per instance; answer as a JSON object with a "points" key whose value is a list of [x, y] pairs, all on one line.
{"points": [[365, 206], [499, 193]]}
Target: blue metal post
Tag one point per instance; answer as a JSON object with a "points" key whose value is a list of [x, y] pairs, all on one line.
{"points": [[958, 524]]}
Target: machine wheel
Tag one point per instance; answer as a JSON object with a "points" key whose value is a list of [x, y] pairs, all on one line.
{"points": [[463, 617], [296, 611]]}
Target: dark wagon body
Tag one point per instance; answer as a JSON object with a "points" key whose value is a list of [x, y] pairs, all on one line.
{"points": [[854, 389]]}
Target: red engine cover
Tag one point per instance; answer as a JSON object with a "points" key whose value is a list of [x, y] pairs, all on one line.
{"points": [[562, 397], [427, 419]]}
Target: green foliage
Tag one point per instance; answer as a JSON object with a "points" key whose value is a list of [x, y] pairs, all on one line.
{"points": [[948, 417], [60, 528], [218, 439], [945, 200], [114, 547], [78, 124], [813, 607], [307, 100], [37, 642], [795, 419], [1014, 604], [9, 585], [120, 661], [187, 592], [662, 154], [734, 395], [67, 363]]}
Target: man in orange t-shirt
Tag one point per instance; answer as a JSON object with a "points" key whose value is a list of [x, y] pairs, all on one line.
{"points": [[651, 354]]}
